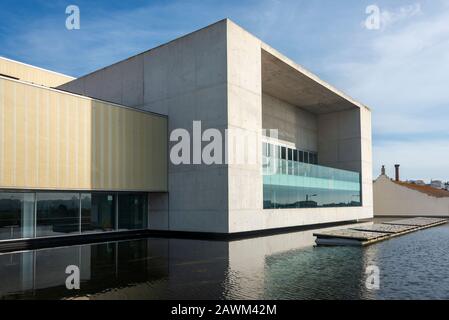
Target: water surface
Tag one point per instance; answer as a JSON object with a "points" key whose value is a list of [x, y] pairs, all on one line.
{"points": [[285, 266]]}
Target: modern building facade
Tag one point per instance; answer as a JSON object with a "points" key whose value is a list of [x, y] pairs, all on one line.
{"points": [[110, 132], [70, 164]]}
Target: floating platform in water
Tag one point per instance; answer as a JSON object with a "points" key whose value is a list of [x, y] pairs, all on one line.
{"points": [[418, 222], [369, 234]]}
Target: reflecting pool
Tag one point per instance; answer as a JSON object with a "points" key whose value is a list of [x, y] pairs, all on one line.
{"points": [[284, 266]]}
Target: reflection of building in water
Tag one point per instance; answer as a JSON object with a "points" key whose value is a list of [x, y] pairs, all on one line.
{"points": [[182, 269], [41, 273], [263, 266]]}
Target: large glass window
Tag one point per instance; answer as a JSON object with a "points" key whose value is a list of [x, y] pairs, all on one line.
{"points": [[132, 211], [301, 194], [43, 214], [16, 215], [290, 162], [283, 153], [98, 212], [299, 182], [306, 157], [57, 214], [290, 154]]}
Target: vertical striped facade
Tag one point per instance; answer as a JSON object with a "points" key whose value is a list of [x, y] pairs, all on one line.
{"points": [[32, 74], [54, 140]]}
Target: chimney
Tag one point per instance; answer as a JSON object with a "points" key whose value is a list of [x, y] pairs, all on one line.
{"points": [[396, 167], [382, 171]]}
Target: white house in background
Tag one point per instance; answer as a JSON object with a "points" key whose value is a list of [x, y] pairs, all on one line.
{"points": [[393, 197], [418, 182], [438, 184]]}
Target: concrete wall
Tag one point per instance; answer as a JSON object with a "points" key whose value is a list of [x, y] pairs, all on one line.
{"points": [[32, 74], [244, 114], [296, 127], [391, 199], [344, 142], [54, 140], [215, 75], [339, 136], [366, 160], [185, 79], [353, 129]]}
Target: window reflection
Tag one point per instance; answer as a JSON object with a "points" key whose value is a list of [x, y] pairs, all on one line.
{"points": [[281, 197], [16, 215], [42, 214], [132, 211], [295, 180], [98, 212], [57, 214]]}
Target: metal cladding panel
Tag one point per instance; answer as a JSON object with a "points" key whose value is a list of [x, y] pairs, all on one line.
{"points": [[59, 141], [32, 74]]}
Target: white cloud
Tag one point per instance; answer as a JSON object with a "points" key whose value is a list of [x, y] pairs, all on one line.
{"points": [[106, 36], [402, 74], [390, 17]]}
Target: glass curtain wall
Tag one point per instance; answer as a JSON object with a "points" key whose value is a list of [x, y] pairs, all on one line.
{"points": [[291, 181], [98, 212], [57, 214], [16, 215], [44, 214], [135, 206]]}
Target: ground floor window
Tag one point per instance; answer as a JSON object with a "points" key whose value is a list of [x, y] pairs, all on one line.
{"points": [[57, 213], [16, 215], [98, 212], [43, 214], [135, 206]]}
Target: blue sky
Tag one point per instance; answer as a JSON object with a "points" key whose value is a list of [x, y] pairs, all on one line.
{"points": [[400, 71]]}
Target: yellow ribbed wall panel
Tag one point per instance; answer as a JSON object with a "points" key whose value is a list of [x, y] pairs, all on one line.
{"points": [[54, 140], [32, 74]]}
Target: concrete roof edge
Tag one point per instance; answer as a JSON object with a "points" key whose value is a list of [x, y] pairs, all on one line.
{"points": [[294, 65], [264, 46], [61, 91], [311, 75], [154, 48]]}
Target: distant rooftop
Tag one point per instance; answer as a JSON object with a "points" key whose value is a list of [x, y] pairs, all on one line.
{"points": [[431, 191]]}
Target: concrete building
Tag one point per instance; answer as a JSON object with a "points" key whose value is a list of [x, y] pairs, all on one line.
{"points": [[393, 197], [230, 81]]}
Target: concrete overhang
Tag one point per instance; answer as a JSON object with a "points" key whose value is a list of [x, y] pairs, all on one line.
{"points": [[284, 79]]}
